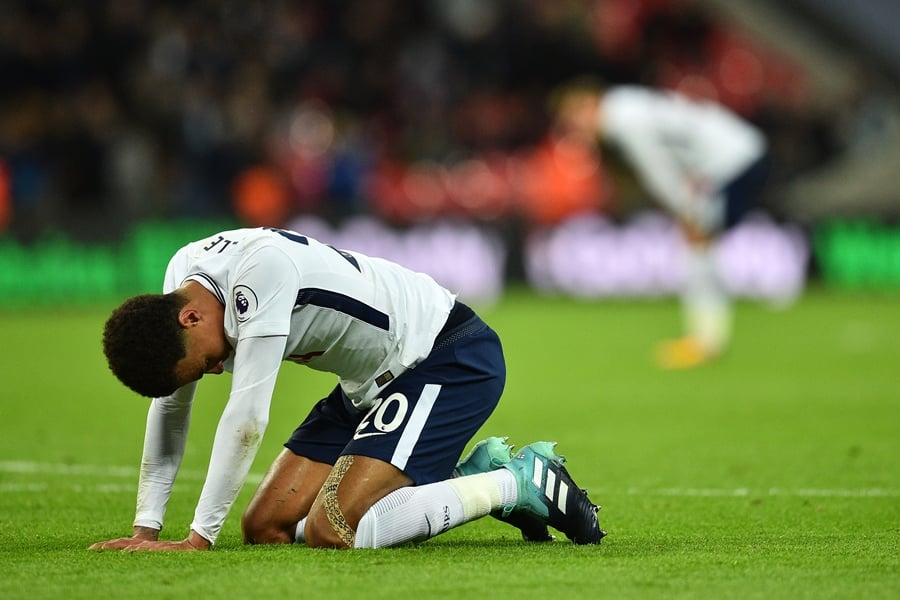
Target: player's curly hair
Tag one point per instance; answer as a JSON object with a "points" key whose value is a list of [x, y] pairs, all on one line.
{"points": [[143, 341]]}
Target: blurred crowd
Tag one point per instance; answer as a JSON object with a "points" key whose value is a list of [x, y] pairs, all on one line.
{"points": [[113, 111]]}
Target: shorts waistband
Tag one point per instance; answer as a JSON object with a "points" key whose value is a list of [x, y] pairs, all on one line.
{"points": [[461, 321]]}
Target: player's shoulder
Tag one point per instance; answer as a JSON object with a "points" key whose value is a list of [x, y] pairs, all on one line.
{"points": [[627, 107], [629, 94], [641, 98], [273, 251]]}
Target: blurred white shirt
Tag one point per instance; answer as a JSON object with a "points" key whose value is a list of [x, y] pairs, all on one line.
{"points": [[684, 151]]}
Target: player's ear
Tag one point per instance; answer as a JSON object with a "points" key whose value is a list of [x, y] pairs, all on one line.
{"points": [[188, 316]]}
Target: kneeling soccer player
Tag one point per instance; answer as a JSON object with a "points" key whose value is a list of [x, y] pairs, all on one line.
{"points": [[374, 464]]}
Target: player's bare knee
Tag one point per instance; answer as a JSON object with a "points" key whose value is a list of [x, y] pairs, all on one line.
{"points": [[320, 534], [250, 526], [256, 529]]}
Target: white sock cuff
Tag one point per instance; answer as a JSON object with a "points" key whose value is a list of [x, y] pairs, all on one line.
{"points": [[299, 532]]}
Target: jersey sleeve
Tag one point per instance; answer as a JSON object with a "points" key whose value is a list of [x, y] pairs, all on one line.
{"points": [[164, 439], [240, 430], [263, 294]]}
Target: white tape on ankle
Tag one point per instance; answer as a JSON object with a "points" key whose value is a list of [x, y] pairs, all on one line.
{"points": [[479, 494]]}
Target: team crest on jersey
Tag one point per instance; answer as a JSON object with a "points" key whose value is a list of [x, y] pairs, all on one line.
{"points": [[245, 302]]}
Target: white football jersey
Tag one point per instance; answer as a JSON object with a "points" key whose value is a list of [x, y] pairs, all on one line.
{"points": [[364, 319], [683, 150]]}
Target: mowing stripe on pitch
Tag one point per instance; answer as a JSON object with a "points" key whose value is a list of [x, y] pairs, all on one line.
{"points": [[22, 467]]}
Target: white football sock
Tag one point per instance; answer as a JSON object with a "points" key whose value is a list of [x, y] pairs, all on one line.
{"points": [[418, 513], [300, 532], [705, 302]]}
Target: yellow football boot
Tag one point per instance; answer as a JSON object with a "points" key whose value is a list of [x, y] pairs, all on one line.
{"points": [[683, 353]]}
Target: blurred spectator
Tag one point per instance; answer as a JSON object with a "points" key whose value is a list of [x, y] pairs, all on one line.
{"points": [[260, 197]]}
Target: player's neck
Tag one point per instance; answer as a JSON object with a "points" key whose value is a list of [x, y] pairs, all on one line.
{"points": [[197, 294]]}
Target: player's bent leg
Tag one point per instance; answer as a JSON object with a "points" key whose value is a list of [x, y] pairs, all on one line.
{"points": [[352, 486], [283, 497], [419, 513], [354, 509]]}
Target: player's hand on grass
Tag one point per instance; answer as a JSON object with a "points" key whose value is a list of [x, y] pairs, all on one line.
{"points": [[140, 534], [192, 543], [145, 538], [186, 545]]}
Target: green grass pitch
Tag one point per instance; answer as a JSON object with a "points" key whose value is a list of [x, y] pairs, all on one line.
{"points": [[774, 473]]}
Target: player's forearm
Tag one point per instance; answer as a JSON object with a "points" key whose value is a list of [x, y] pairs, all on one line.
{"points": [[240, 430], [237, 441], [164, 442]]}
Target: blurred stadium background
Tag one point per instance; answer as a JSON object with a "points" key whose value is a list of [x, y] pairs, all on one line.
{"points": [[418, 130]]}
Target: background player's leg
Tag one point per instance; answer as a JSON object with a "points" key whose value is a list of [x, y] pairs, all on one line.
{"points": [[707, 306]]}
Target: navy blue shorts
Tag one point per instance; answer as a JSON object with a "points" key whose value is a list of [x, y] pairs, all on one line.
{"points": [[425, 417], [744, 193]]}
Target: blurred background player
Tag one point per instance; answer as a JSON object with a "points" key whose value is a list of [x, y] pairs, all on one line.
{"points": [[703, 164]]}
